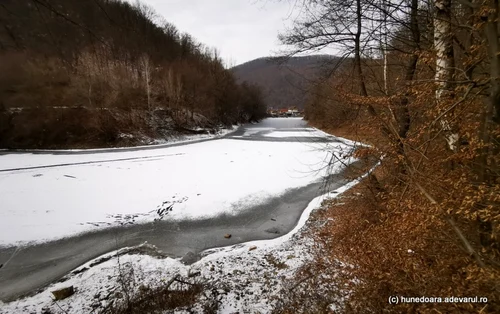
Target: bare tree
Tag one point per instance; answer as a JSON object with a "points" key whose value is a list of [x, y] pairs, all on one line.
{"points": [[146, 69], [492, 36], [445, 64], [339, 25]]}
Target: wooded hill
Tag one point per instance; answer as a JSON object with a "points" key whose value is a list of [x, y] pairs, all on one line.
{"points": [[422, 87], [286, 82], [81, 73]]}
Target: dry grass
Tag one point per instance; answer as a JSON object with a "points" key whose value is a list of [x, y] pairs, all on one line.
{"points": [[391, 254], [160, 300], [180, 293]]}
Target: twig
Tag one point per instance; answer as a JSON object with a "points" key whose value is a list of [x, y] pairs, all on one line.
{"points": [[64, 311], [171, 281], [184, 282]]}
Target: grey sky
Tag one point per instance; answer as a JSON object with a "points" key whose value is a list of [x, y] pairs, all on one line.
{"points": [[241, 30]]}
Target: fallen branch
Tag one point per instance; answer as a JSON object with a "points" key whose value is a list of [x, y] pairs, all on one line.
{"points": [[169, 283]]}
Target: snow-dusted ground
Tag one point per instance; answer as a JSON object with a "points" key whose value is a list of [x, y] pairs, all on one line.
{"points": [[63, 195], [184, 138], [148, 142], [248, 281]]}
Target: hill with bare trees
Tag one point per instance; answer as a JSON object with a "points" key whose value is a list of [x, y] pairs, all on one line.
{"points": [[87, 73], [422, 88], [286, 82]]}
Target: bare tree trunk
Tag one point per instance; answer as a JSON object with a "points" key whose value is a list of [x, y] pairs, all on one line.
{"points": [[486, 113], [402, 112], [90, 93], [470, 41], [170, 88], [147, 77], [491, 114], [386, 88], [443, 43], [494, 50], [384, 46], [357, 51], [357, 56]]}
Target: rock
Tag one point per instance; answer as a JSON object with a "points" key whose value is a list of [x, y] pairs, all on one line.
{"points": [[118, 295], [63, 293], [189, 258], [253, 247], [227, 235]]}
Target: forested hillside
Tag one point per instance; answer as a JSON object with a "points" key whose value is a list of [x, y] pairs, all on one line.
{"points": [[422, 87], [82, 73], [286, 82]]}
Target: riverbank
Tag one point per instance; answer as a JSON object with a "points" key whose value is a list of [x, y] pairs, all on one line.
{"points": [[397, 243], [251, 276]]}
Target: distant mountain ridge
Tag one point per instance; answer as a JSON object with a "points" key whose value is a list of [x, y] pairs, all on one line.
{"points": [[285, 83]]}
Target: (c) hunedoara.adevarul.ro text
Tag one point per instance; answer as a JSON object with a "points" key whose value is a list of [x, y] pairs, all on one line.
{"points": [[403, 299]]}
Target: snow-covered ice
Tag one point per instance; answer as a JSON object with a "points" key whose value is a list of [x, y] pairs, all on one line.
{"points": [[281, 134], [65, 194], [248, 280]]}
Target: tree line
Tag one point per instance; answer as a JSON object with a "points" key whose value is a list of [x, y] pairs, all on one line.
{"points": [[420, 80], [110, 62]]}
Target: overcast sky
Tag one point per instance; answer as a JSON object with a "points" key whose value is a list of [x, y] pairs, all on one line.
{"points": [[241, 30]]}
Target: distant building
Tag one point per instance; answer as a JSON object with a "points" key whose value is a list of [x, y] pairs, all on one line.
{"points": [[284, 112]]}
